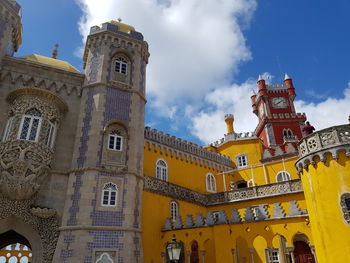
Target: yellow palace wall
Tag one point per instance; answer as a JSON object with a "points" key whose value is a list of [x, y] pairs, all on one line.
{"points": [[219, 240], [323, 184]]}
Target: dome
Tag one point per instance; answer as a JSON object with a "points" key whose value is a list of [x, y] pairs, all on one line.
{"points": [[56, 63], [123, 27]]}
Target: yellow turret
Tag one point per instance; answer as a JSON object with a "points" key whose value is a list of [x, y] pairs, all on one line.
{"points": [[229, 119], [324, 166]]}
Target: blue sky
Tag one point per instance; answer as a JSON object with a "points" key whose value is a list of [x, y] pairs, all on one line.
{"points": [[223, 45]]}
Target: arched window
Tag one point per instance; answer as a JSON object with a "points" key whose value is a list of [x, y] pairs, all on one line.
{"points": [[242, 160], [50, 134], [8, 128], [210, 183], [162, 170], [345, 206], [115, 140], [242, 184], [30, 126], [174, 210], [285, 133], [109, 194], [282, 176], [121, 65], [104, 258]]}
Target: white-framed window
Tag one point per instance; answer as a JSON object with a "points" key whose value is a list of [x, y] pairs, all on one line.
{"points": [[104, 258], [242, 160], [345, 206], [250, 183], [115, 140], [282, 176], [287, 133], [210, 183], [109, 194], [273, 256], [8, 128], [50, 134], [162, 170], [30, 126], [174, 210], [121, 65]]}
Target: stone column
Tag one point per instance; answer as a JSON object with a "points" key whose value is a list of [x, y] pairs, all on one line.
{"points": [[188, 254], [312, 248], [162, 254], [251, 253], [234, 255], [290, 251], [202, 252]]}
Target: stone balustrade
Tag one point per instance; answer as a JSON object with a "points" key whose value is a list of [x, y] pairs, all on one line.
{"points": [[181, 193], [329, 140], [288, 187]]}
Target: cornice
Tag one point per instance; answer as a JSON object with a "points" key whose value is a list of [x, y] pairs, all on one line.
{"points": [[327, 141]]}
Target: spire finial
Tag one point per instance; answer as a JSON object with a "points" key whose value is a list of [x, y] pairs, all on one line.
{"points": [[119, 20], [55, 51], [286, 76], [260, 78]]}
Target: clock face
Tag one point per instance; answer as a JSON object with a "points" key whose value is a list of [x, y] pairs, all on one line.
{"points": [[279, 102]]}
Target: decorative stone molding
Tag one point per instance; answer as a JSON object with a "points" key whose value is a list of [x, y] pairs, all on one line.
{"points": [[161, 187], [185, 146], [282, 188], [23, 166], [318, 144], [47, 228], [48, 103], [158, 186], [72, 83], [43, 212], [249, 214]]}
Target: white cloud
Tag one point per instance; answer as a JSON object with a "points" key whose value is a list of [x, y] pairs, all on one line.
{"points": [[329, 112], [209, 125], [195, 45]]}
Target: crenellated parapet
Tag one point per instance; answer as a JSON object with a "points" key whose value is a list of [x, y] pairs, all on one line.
{"points": [[235, 137], [326, 141], [185, 150], [15, 74], [120, 38]]}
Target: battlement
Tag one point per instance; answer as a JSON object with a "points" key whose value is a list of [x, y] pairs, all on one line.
{"points": [[235, 137], [316, 145], [276, 88], [185, 146], [113, 27], [12, 5]]}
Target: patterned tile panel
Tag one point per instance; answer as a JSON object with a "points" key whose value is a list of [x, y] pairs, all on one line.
{"points": [[104, 240]]}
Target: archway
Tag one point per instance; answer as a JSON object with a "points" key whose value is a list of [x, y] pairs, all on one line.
{"points": [[19, 236], [14, 248], [194, 258], [302, 250], [260, 246]]}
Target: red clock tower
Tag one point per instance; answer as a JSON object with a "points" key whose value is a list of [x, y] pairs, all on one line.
{"points": [[274, 106]]}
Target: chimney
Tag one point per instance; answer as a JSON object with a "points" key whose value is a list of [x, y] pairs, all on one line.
{"points": [[229, 123]]}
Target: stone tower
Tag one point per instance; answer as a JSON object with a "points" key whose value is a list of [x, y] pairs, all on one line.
{"points": [[274, 106], [101, 221], [10, 27]]}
